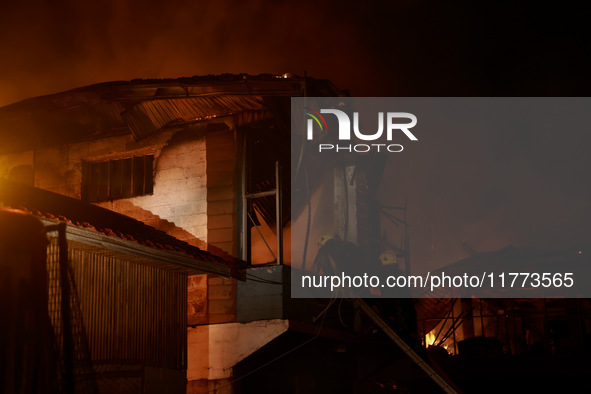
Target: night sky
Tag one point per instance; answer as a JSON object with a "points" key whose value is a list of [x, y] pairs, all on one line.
{"points": [[407, 48]]}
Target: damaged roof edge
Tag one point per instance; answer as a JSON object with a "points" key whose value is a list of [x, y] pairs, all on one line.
{"points": [[143, 107], [150, 89], [110, 227], [197, 86], [173, 258]]}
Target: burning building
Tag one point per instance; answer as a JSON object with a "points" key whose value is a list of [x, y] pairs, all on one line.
{"points": [[158, 181], [167, 211]]}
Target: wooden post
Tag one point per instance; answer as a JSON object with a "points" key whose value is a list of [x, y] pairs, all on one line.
{"points": [[68, 338]]}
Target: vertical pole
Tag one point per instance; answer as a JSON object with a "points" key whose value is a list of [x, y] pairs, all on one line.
{"points": [[68, 339], [453, 323], [351, 194], [245, 243], [279, 212]]}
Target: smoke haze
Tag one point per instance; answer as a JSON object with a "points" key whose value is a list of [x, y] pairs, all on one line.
{"points": [[396, 49]]}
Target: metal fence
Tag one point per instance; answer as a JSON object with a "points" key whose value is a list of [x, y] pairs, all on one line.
{"points": [[112, 316]]}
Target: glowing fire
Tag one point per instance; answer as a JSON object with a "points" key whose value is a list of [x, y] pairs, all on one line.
{"points": [[429, 339]]}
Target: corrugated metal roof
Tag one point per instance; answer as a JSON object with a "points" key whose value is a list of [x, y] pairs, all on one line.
{"points": [[48, 205], [143, 107], [147, 117]]}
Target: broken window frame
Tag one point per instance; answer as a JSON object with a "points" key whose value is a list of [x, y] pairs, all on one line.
{"points": [[275, 189]]}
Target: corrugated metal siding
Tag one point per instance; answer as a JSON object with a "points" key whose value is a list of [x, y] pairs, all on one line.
{"points": [[131, 310], [83, 377]]}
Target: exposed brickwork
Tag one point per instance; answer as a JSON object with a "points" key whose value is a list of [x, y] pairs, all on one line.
{"points": [[180, 186], [221, 299], [197, 300]]}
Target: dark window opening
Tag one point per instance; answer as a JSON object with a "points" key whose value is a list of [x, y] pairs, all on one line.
{"points": [[265, 151], [264, 147], [115, 179]]}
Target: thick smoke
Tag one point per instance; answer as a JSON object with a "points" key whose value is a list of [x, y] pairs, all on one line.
{"points": [[54, 46]]}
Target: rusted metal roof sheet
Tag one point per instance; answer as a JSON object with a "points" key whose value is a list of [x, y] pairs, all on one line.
{"points": [[143, 107], [147, 117]]}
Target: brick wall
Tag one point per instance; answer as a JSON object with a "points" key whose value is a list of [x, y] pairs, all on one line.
{"points": [[180, 188]]}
